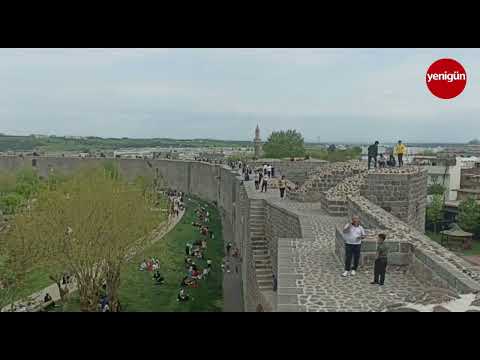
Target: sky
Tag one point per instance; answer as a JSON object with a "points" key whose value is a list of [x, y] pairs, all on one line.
{"points": [[329, 95]]}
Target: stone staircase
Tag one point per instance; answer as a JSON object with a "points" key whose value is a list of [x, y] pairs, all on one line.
{"points": [[261, 254]]}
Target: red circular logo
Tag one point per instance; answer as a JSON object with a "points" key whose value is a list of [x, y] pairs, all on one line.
{"points": [[446, 78]]}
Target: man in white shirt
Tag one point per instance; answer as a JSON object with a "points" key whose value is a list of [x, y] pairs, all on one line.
{"points": [[353, 233], [269, 170]]}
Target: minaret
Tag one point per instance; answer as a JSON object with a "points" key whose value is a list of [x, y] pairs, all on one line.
{"points": [[257, 143]]}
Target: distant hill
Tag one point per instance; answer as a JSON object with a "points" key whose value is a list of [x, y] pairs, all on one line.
{"points": [[92, 143]]}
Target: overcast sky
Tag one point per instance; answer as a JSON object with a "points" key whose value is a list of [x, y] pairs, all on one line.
{"points": [[327, 94]]}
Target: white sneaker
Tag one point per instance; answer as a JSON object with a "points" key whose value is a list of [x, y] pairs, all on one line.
{"points": [[345, 274], [353, 273]]}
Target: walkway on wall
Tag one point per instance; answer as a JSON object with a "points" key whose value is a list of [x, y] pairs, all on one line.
{"points": [[317, 284]]}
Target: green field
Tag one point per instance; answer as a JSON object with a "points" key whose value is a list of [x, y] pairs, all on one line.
{"points": [[92, 144], [139, 293]]}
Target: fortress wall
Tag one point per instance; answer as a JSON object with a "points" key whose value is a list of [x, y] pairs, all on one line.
{"points": [[404, 193], [295, 171], [279, 223]]}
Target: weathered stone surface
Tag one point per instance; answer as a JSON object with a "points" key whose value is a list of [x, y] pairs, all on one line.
{"points": [[403, 309], [440, 308]]}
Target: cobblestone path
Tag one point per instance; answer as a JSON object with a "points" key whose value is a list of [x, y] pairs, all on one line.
{"points": [[321, 287]]}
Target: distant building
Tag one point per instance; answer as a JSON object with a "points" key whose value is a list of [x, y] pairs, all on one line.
{"points": [[469, 183], [441, 170], [257, 142]]}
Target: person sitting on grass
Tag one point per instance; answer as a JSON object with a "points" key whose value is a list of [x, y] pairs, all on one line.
{"points": [[188, 261], [205, 272], [47, 298], [143, 266], [182, 296], [158, 277], [209, 263]]}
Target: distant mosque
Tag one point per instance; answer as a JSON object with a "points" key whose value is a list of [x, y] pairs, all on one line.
{"points": [[257, 143]]}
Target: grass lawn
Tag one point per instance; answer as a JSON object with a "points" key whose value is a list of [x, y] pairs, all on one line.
{"points": [[138, 292], [475, 250], [35, 280]]}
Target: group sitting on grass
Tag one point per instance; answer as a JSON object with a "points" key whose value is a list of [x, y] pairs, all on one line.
{"points": [[150, 265], [196, 250]]}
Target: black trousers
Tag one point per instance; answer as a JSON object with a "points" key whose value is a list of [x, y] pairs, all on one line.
{"points": [[282, 192], [352, 252], [256, 184], [370, 158], [379, 270], [400, 159], [264, 186]]}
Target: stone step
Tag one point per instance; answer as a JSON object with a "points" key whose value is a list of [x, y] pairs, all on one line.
{"points": [[257, 222], [260, 252], [259, 239], [264, 274], [266, 287], [265, 277], [257, 235], [264, 266], [260, 243], [265, 283], [262, 258], [263, 248]]}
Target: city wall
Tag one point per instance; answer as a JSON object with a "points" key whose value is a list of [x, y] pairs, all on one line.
{"points": [[284, 230], [295, 171]]}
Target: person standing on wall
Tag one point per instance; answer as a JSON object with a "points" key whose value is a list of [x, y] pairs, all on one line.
{"points": [[264, 183], [353, 233], [372, 154], [269, 170], [400, 151], [282, 184], [257, 180]]}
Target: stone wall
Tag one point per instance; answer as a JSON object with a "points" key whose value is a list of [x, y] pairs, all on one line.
{"points": [[428, 261], [322, 179], [295, 171], [402, 191], [286, 231], [279, 223]]}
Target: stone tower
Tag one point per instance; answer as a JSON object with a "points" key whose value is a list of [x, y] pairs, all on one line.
{"points": [[257, 143]]}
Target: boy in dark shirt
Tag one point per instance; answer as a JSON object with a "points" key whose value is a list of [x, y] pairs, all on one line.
{"points": [[381, 261]]}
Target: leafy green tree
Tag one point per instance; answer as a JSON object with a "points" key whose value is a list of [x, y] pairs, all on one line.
{"points": [[436, 189], [469, 215], [282, 144], [435, 211]]}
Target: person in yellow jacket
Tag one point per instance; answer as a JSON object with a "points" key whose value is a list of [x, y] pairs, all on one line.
{"points": [[400, 150]]}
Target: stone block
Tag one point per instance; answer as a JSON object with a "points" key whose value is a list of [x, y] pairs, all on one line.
{"points": [[287, 299]]}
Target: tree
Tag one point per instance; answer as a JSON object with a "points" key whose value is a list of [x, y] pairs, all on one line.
{"points": [[435, 211], [436, 189], [469, 215], [282, 144], [87, 225]]}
